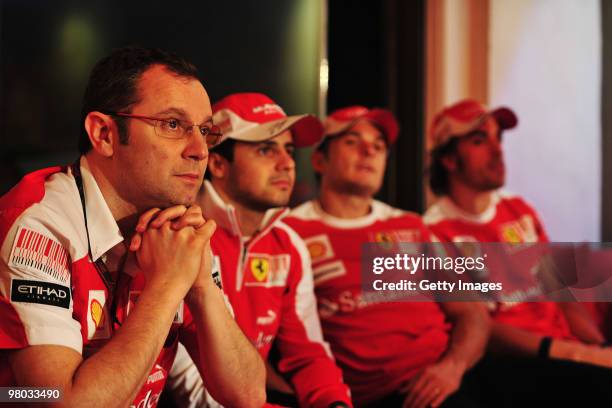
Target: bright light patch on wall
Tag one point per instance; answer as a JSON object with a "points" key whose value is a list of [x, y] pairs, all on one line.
{"points": [[323, 75], [78, 45]]}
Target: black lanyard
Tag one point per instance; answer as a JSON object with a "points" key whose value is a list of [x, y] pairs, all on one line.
{"points": [[99, 264]]}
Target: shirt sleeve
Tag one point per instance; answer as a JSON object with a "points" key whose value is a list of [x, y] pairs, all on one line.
{"points": [[304, 356], [35, 294]]}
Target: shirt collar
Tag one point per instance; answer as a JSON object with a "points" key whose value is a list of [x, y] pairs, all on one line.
{"points": [[452, 210], [375, 213], [103, 230]]}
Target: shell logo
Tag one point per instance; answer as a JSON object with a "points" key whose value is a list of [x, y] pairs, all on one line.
{"points": [[512, 234], [97, 313], [316, 249]]}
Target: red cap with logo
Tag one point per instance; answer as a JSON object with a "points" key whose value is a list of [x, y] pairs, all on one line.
{"points": [[340, 120], [463, 117], [254, 117]]}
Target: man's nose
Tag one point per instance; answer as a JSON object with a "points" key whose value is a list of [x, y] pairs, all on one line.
{"points": [[367, 148], [286, 160], [196, 148]]}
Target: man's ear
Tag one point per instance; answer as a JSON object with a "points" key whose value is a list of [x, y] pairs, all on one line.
{"points": [[217, 165], [450, 162], [100, 128], [318, 161]]}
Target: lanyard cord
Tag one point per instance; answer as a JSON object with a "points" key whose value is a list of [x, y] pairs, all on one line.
{"points": [[99, 264]]}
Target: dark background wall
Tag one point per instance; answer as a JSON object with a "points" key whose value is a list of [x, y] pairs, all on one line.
{"points": [[47, 49], [376, 58]]}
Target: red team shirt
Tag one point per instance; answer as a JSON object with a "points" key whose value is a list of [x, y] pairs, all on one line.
{"points": [[268, 282], [50, 291], [508, 219], [378, 344]]}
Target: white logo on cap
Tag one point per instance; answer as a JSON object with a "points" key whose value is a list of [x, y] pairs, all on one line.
{"points": [[268, 109]]}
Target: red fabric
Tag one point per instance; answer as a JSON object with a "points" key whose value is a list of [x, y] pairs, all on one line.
{"points": [[87, 286], [28, 191], [513, 220], [253, 107], [378, 344], [266, 303]]}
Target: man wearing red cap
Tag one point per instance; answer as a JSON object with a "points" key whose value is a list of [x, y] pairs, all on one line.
{"points": [[467, 170], [264, 265], [391, 353]]}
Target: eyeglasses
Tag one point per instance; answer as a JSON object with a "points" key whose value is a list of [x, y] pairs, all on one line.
{"points": [[177, 129]]}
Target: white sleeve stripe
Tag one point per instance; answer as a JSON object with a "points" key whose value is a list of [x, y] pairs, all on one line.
{"points": [[43, 324], [306, 303]]}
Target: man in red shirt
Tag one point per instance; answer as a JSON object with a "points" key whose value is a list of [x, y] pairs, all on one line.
{"points": [[467, 171], [392, 353], [78, 311], [264, 265]]}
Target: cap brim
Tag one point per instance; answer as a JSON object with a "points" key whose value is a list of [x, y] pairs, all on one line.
{"points": [[381, 117], [386, 120], [505, 118], [305, 129]]}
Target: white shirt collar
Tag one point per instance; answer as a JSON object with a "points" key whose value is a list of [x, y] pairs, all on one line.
{"points": [[104, 232]]}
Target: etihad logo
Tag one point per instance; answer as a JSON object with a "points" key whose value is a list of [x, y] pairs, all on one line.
{"points": [[45, 293], [38, 290], [260, 267]]}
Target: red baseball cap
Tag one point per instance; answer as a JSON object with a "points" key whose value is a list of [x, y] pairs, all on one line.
{"points": [[463, 117], [340, 120], [254, 117]]}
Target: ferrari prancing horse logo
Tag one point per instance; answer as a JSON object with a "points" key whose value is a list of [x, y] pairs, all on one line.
{"points": [[260, 267]]}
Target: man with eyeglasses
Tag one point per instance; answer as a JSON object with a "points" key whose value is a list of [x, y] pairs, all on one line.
{"points": [[555, 347], [410, 354], [79, 311], [263, 264]]}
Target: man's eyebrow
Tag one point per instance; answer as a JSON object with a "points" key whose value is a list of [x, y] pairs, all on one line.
{"points": [[182, 115], [175, 111], [381, 136], [477, 133], [268, 142]]}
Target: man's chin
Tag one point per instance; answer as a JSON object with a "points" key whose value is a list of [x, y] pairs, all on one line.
{"points": [[360, 189], [186, 198], [265, 203], [492, 185]]}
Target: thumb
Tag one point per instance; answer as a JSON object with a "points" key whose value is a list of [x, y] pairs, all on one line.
{"points": [[206, 231]]}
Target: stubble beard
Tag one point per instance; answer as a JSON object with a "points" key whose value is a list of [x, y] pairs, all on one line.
{"points": [[354, 188], [258, 202]]}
